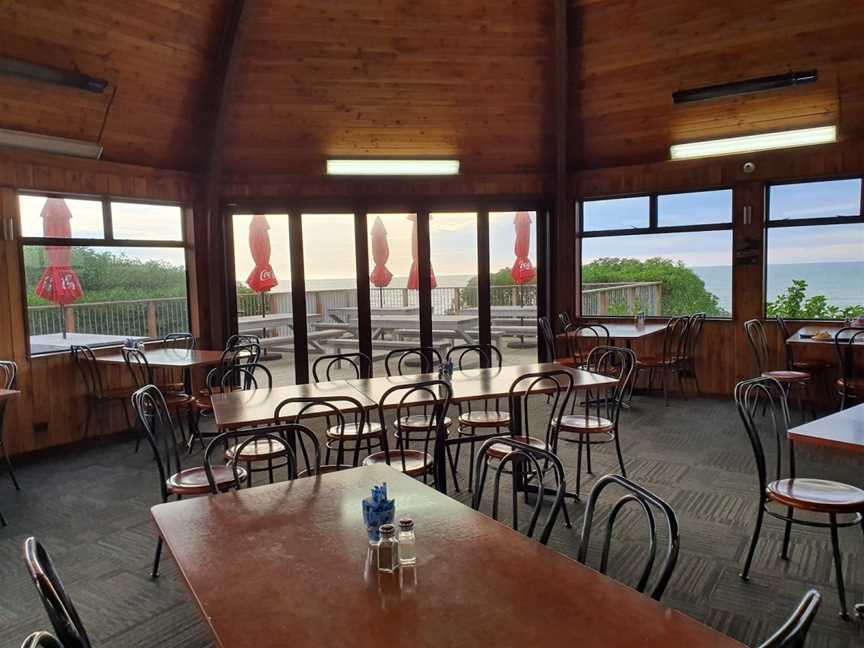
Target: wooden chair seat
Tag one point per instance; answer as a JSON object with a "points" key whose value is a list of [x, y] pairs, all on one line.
{"points": [[582, 424], [203, 402], [259, 450], [499, 451], [818, 495], [785, 376], [177, 400], [416, 462], [493, 419], [352, 431], [417, 422], [851, 385], [193, 481]]}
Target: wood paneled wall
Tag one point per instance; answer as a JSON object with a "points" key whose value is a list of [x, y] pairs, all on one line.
{"points": [[51, 409]]}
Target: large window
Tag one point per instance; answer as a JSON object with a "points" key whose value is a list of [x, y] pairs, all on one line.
{"points": [[815, 250], [664, 255], [98, 271]]}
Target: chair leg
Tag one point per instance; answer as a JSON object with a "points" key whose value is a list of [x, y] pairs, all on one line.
{"points": [[620, 456], [452, 467], [87, 420], [579, 463], [567, 522], [745, 573], [155, 572], [681, 384], [9, 466], [471, 455], [838, 567], [125, 407], [588, 458], [663, 374], [787, 532]]}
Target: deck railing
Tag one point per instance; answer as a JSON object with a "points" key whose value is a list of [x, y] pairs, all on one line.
{"points": [[157, 317]]}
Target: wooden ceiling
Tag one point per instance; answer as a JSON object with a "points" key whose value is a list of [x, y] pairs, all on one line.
{"points": [[470, 79]]}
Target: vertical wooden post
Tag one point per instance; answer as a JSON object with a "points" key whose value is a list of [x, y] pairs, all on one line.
{"points": [[152, 328], [70, 320]]}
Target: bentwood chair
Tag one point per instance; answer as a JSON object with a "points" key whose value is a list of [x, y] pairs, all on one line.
{"points": [[8, 374], [602, 424], [242, 339], [435, 396], [850, 385], [477, 415], [185, 341], [532, 461], [398, 362], [549, 341], [564, 320], [789, 379], [582, 339], [234, 355], [99, 399], [359, 366], [650, 504], [260, 444], [780, 498], [793, 633], [687, 363], [174, 480], [41, 640], [670, 359], [61, 612]]}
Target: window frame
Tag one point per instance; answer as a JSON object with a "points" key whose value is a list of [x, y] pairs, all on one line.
{"points": [[108, 241], [654, 228], [769, 224]]}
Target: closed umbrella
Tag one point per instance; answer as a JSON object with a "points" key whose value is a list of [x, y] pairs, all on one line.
{"points": [[59, 284], [522, 271], [262, 278], [413, 279], [380, 276]]}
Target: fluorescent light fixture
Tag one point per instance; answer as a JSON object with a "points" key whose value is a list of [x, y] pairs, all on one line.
{"points": [[750, 143], [47, 144], [392, 167]]}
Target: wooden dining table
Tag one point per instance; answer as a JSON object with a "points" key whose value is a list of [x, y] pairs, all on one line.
{"points": [[843, 430], [172, 358], [288, 564]]}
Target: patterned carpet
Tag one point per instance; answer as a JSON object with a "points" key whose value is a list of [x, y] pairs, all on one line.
{"points": [[90, 509]]}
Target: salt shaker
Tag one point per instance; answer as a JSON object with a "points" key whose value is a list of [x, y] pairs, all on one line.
{"points": [[388, 549], [407, 542]]}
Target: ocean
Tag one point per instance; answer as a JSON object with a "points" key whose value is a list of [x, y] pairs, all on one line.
{"points": [[841, 283]]}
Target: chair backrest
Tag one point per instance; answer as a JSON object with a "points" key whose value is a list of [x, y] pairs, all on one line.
{"points": [[139, 368], [396, 362], [278, 448], [759, 343], [564, 320], [614, 362], [473, 356], [41, 640], [539, 464], [238, 378], [8, 373], [434, 397], [768, 394], [843, 342], [582, 338], [784, 331], [694, 333], [650, 504], [242, 339], [179, 341], [548, 336], [551, 390], [88, 368], [149, 405], [675, 339], [793, 632], [337, 411], [360, 362], [61, 612]]}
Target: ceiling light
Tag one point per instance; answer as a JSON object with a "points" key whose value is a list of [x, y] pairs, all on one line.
{"points": [[392, 167], [47, 144], [748, 86], [750, 143]]}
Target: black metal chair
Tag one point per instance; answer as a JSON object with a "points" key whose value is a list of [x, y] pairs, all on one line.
{"points": [[850, 385], [564, 320], [8, 375], [242, 339], [435, 398], [793, 633], [818, 496], [548, 335], [687, 363], [486, 414], [398, 361], [64, 617], [601, 425], [359, 362], [582, 338], [670, 359], [174, 480], [761, 354], [532, 461], [649, 503], [184, 341], [41, 640], [262, 443], [98, 398]]}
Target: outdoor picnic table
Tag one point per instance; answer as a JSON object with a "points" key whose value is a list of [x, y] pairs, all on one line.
{"points": [[250, 323], [345, 314], [459, 324]]}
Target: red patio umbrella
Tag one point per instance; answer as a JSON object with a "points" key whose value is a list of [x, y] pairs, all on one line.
{"points": [[413, 279], [59, 284], [262, 278], [522, 271], [380, 275]]}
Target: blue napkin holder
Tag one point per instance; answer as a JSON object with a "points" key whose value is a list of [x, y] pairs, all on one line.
{"points": [[378, 510]]}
